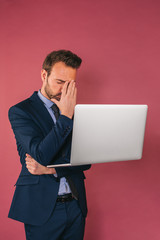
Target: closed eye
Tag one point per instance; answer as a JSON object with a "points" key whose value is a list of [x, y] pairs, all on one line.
{"points": [[59, 81]]}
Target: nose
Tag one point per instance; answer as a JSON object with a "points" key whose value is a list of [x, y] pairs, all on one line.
{"points": [[61, 88]]}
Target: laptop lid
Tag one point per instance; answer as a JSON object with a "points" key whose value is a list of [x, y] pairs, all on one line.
{"points": [[107, 133]]}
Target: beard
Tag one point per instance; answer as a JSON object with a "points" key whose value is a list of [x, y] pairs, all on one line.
{"points": [[49, 93]]}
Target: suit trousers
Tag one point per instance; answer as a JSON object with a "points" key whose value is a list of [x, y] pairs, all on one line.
{"points": [[65, 223]]}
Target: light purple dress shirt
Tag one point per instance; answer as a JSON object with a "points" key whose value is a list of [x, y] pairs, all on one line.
{"points": [[63, 187]]}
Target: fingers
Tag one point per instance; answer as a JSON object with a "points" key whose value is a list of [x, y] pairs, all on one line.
{"points": [[30, 168], [75, 94], [28, 156], [64, 89], [30, 162], [71, 88], [68, 88], [35, 168], [31, 165]]}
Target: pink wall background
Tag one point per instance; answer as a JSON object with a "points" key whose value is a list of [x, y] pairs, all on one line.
{"points": [[119, 42]]}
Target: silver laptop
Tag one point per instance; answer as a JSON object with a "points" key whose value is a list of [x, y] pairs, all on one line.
{"points": [[107, 133]]}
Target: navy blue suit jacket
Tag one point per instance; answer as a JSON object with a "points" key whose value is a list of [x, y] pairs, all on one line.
{"points": [[36, 134]]}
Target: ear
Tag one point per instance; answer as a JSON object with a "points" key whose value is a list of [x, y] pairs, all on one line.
{"points": [[43, 75]]}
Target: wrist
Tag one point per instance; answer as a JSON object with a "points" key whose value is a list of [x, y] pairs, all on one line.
{"points": [[50, 170], [67, 115]]}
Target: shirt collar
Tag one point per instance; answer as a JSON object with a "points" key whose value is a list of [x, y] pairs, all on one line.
{"points": [[45, 100]]}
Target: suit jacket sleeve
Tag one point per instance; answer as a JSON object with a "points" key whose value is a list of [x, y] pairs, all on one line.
{"points": [[66, 171], [30, 137]]}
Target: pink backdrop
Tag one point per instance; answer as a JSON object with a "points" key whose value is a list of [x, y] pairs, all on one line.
{"points": [[119, 42]]}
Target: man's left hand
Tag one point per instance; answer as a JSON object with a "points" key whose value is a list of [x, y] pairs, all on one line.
{"points": [[36, 168]]}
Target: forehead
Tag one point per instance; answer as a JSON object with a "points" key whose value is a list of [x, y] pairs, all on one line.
{"points": [[61, 71]]}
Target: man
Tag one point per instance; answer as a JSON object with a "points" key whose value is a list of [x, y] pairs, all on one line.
{"points": [[51, 202]]}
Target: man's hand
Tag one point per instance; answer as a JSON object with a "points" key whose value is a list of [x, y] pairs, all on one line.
{"points": [[68, 99], [36, 168]]}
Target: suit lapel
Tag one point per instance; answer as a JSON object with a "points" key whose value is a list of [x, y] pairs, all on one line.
{"points": [[41, 112]]}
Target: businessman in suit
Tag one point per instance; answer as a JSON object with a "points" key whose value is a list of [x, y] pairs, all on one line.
{"points": [[51, 202]]}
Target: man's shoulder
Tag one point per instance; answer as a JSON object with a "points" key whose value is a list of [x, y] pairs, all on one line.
{"points": [[26, 101], [23, 105]]}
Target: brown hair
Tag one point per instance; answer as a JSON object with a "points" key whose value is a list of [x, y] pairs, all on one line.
{"points": [[69, 58]]}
